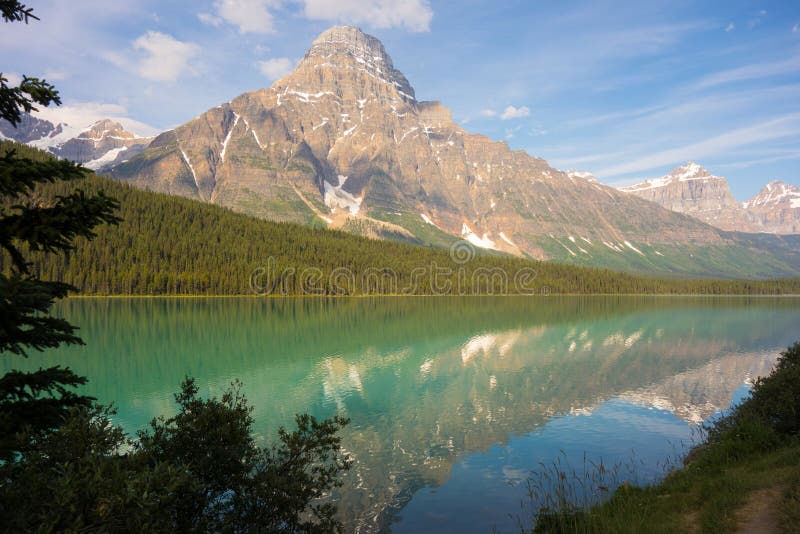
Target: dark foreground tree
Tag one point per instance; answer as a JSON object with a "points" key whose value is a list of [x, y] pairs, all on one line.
{"points": [[34, 402], [199, 471], [63, 465]]}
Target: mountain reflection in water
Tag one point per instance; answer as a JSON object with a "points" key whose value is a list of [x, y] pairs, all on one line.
{"points": [[434, 385]]}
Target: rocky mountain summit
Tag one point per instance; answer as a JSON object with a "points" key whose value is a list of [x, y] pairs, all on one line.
{"points": [[775, 209], [97, 146], [692, 190], [344, 142]]}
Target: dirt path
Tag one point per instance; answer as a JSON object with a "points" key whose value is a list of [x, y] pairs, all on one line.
{"points": [[759, 515]]}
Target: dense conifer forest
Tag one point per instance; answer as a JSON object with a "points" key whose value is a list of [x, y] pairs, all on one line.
{"points": [[167, 245]]}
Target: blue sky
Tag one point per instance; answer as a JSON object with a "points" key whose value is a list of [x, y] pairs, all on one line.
{"points": [[626, 90]]}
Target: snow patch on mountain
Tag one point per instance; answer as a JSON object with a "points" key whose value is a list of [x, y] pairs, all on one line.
{"points": [[228, 138], [62, 133], [336, 197], [189, 164], [106, 159], [472, 237], [582, 175]]}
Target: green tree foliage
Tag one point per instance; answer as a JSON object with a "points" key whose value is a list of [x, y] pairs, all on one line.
{"points": [[769, 416], [63, 465], [199, 471], [37, 400]]}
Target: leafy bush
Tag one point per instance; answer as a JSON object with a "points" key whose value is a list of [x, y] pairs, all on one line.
{"points": [[200, 470], [776, 398], [771, 413]]}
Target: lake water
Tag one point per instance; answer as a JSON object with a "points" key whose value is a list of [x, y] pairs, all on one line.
{"points": [[452, 401]]}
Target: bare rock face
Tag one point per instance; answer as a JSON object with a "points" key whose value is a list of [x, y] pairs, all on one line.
{"points": [[99, 146], [775, 209], [343, 141], [692, 190]]}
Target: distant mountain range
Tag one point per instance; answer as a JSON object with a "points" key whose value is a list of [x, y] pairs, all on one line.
{"points": [[692, 190], [97, 146], [343, 142]]}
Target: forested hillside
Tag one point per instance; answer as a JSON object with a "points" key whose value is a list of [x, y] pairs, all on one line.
{"points": [[168, 245]]}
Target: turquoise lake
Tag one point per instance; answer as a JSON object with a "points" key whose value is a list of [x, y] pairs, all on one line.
{"points": [[452, 401]]}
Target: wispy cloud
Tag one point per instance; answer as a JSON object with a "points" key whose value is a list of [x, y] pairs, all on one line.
{"points": [[488, 113], [730, 27], [751, 72], [594, 120], [793, 155], [776, 128]]}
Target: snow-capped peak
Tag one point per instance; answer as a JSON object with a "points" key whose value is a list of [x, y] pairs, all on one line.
{"points": [[688, 171], [775, 192]]}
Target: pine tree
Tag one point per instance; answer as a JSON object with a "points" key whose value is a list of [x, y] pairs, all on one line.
{"points": [[33, 402]]}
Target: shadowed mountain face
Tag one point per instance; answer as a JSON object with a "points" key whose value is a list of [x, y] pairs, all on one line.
{"points": [[692, 190], [343, 141]]}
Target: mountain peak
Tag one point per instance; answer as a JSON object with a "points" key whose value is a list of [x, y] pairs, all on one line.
{"points": [[105, 127], [689, 171], [348, 40], [349, 48], [775, 193]]}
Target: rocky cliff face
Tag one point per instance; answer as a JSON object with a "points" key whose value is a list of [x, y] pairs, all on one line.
{"points": [[775, 209], [692, 190], [98, 146], [343, 141]]}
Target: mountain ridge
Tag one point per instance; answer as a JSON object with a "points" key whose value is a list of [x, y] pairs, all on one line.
{"points": [[692, 190], [343, 142], [96, 146]]}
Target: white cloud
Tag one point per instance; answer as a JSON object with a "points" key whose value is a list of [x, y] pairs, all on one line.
{"points": [[730, 27], [780, 127], [167, 58], [276, 67], [251, 16], [83, 114], [512, 112], [13, 78], [209, 19], [413, 15], [488, 113], [796, 28], [55, 75]]}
